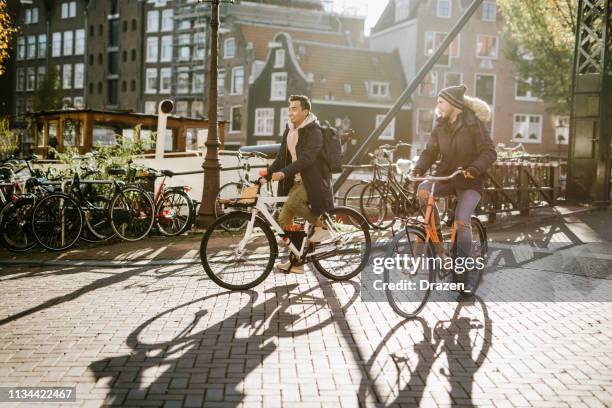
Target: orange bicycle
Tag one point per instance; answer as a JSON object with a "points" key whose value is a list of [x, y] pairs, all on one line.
{"points": [[423, 257]]}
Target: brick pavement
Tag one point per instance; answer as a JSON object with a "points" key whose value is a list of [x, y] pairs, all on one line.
{"points": [[167, 336]]}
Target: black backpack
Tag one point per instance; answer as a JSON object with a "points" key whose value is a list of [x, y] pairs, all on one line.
{"points": [[332, 148]]}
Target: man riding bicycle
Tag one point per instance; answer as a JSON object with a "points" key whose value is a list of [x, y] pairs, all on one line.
{"points": [[460, 138]]}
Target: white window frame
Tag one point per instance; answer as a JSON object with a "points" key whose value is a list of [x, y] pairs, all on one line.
{"points": [[489, 3], [233, 90], [381, 85], [165, 45], [450, 9], [279, 58], [231, 121], [402, 9], [150, 74], [389, 132], [41, 72], [152, 54], [226, 48], [278, 88], [529, 97], [68, 43], [150, 108], [67, 76], [21, 48], [31, 47], [79, 42], [433, 35], [418, 121], [446, 85], [20, 79], [30, 78], [267, 128], [494, 84], [436, 82], [478, 36], [56, 44], [79, 75], [42, 45], [72, 5], [167, 20], [283, 119], [526, 139], [165, 72], [152, 21], [565, 132], [221, 82], [179, 83], [195, 89]]}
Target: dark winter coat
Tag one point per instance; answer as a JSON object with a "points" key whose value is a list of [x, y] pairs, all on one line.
{"points": [[466, 144], [310, 165]]}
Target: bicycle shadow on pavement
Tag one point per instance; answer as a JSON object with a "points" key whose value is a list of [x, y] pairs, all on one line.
{"points": [[401, 375], [211, 362]]}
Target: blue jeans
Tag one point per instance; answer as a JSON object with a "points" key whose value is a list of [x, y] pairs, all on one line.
{"points": [[467, 200]]}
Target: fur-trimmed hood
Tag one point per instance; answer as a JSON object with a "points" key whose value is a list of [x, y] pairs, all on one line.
{"points": [[480, 108]]}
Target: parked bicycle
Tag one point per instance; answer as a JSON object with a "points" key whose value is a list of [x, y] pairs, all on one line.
{"points": [[241, 258]]}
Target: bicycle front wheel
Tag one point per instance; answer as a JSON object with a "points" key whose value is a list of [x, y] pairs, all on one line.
{"points": [[228, 194], [404, 283], [239, 258], [16, 233], [57, 222], [347, 253], [173, 213], [131, 213], [376, 204]]}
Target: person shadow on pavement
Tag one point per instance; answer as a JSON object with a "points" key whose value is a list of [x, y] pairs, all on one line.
{"points": [[209, 364]]}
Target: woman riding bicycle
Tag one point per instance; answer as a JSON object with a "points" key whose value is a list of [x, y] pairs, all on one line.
{"points": [[460, 138]]}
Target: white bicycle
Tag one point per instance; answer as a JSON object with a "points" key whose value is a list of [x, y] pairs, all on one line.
{"points": [[242, 256]]}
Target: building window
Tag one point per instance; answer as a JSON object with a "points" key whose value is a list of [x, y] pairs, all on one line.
{"points": [[42, 45], [68, 42], [31, 15], [237, 80], [429, 85], [378, 89], [56, 44], [165, 80], [199, 39], [198, 82], [444, 9], [279, 58], [425, 121], [150, 107], [562, 124], [21, 48], [167, 20], [182, 107], [402, 10], [183, 83], [31, 46], [42, 71], [69, 9], [166, 48], [197, 111], [134, 24], [184, 25], [278, 91], [489, 11], [221, 82], [67, 76], [486, 46], [264, 121], [229, 48], [434, 39], [524, 90], [184, 47], [235, 119], [31, 79], [152, 21], [133, 55], [133, 85], [389, 132], [78, 102], [79, 42], [79, 70], [152, 49], [485, 88], [527, 128], [284, 119], [113, 92], [453, 79], [151, 80], [20, 85]]}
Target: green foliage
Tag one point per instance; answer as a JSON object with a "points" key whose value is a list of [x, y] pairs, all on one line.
{"points": [[540, 43], [9, 141], [7, 29], [48, 96]]}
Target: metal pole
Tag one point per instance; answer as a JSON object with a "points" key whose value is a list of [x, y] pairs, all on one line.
{"points": [[407, 92], [211, 163]]}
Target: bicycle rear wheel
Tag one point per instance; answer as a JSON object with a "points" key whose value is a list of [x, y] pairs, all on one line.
{"points": [[348, 252], [352, 195], [57, 222], [403, 284], [234, 260], [173, 213], [16, 225], [376, 204], [131, 213]]}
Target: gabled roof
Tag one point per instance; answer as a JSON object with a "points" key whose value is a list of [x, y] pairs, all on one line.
{"points": [[260, 35], [387, 18], [332, 67]]}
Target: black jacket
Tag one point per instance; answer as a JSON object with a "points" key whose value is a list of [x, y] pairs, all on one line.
{"points": [[315, 175], [467, 145]]}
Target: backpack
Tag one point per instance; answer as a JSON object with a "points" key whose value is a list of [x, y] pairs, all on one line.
{"points": [[332, 148]]}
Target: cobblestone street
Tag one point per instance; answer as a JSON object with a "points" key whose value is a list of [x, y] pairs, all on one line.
{"points": [[168, 336]]}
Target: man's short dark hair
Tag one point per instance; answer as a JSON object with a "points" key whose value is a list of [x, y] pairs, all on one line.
{"points": [[304, 101]]}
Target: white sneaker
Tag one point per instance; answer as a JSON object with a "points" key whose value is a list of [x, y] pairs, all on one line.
{"points": [[286, 267], [320, 235]]}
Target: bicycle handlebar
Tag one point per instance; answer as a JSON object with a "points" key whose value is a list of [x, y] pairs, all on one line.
{"points": [[437, 178]]}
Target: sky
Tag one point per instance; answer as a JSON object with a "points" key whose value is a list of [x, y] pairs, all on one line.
{"points": [[373, 8]]}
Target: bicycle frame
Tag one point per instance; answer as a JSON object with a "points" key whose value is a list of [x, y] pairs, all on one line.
{"points": [[430, 220]]}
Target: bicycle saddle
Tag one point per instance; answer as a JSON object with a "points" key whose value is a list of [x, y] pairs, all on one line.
{"points": [[404, 166]]}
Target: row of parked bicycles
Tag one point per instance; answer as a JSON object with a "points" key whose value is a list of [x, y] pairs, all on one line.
{"points": [[90, 203]]}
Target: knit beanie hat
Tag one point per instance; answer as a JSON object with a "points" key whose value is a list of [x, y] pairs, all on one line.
{"points": [[454, 95]]}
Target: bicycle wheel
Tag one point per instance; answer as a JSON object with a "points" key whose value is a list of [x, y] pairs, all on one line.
{"points": [[348, 252], [16, 225], [403, 284], [352, 195], [131, 213], [472, 278], [227, 194], [57, 221], [233, 260], [97, 220], [173, 212], [376, 204]]}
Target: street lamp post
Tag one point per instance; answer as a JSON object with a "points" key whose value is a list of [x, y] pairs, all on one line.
{"points": [[211, 163]]}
